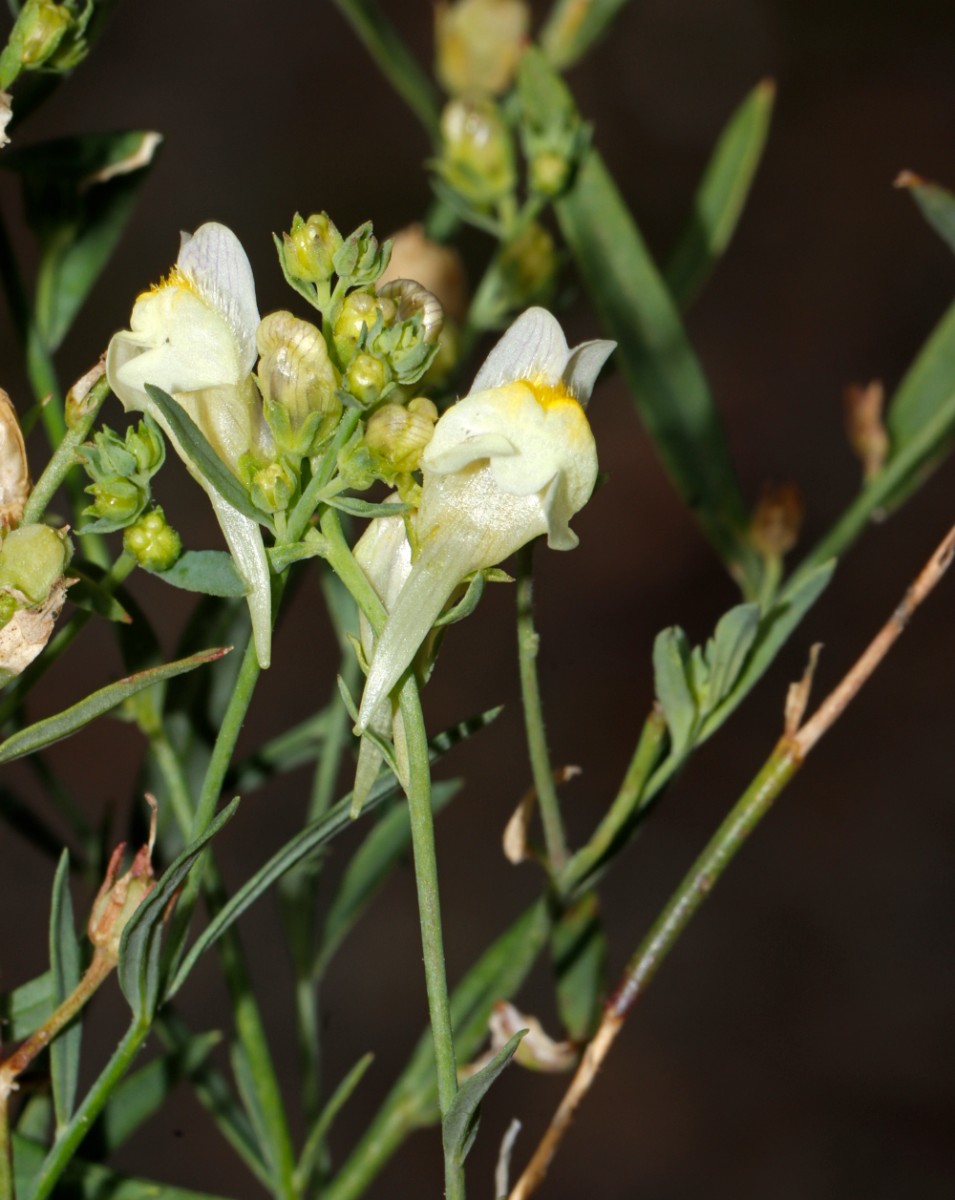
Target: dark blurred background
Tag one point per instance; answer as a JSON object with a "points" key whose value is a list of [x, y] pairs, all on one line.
{"points": [[799, 1041]]}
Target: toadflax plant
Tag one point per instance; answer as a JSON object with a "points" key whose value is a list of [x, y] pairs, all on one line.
{"points": [[338, 441]]}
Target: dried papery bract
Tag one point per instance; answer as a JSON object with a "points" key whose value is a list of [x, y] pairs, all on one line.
{"points": [[14, 473], [28, 631]]}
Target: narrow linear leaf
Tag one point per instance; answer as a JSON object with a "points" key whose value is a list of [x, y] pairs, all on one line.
{"points": [[460, 1126], [364, 508], [573, 26], [936, 204], [579, 950], [203, 458], [88, 593], [210, 572], [54, 729], [656, 358], [305, 844], [721, 195], [65, 972], [139, 948], [313, 1146]]}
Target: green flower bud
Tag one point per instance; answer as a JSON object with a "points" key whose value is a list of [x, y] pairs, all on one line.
{"points": [[528, 266], [145, 443], [116, 500], [366, 378], [310, 248], [152, 541], [43, 25], [360, 259], [478, 157], [33, 558], [273, 487], [397, 435]]}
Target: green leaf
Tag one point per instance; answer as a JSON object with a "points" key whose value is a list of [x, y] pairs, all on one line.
{"points": [[460, 1126], [79, 193], [731, 643], [721, 195], [294, 748], [579, 949], [64, 724], [26, 1007], [364, 508], [139, 948], [65, 972], [305, 844], [923, 405], [672, 683], [193, 444], [311, 1151], [210, 572], [937, 205], [790, 607], [665, 378], [572, 28], [369, 867]]}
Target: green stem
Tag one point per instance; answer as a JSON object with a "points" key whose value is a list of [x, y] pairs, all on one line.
{"points": [[70, 1137], [342, 561], [528, 643], [702, 877]]}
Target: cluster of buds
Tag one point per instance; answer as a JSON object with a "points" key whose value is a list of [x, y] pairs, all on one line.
{"points": [[33, 559], [121, 469]]}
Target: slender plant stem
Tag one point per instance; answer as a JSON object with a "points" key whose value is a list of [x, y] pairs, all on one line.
{"points": [[528, 643], [787, 757], [422, 839]]}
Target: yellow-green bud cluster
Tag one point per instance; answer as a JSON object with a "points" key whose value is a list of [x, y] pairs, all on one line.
{"points": [[152, 541], [397, 435], [121, 470]]}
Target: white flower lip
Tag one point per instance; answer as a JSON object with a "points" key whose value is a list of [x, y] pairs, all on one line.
{"points": [[512, 460], [193, 336]]}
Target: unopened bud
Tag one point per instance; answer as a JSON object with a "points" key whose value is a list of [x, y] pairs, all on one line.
{"points": [[272, 487], [116, 500], [436, 267], [479, 43], [362, 314], [529, 265], [295, 373], [33, 558], [147, 447], [866, 431], [310, 248], [366, 377], [121, 895], [14, 474], [398, 435], [478, 157], [777, 520], [360, 259], [411, 300], [152, 541], [43, 25]]}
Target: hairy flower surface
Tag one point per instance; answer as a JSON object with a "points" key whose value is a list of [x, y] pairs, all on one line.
{"points": [[511, 461], [193, 336]]}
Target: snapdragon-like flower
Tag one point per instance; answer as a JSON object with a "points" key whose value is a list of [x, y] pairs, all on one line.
{"points": [[193, 336], [511, 461]]}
